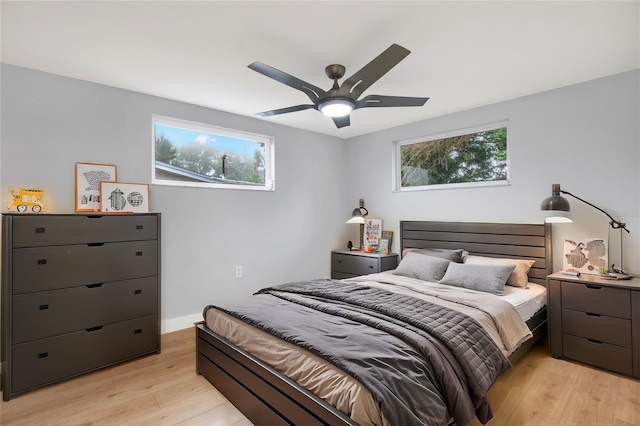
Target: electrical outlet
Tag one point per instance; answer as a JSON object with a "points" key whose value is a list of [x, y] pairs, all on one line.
{"points": [[238, 271]]}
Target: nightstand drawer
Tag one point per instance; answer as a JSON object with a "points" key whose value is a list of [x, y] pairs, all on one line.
{"points": [[605, 329], [603, 355], [356, 265], [596, 299]]}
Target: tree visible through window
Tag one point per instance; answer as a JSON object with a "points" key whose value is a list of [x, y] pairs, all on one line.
{"points": [[199, 155], [466, 158]]}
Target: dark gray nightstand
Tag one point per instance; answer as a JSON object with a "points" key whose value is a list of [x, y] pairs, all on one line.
{"points": [[348, 264], [595, 321]]}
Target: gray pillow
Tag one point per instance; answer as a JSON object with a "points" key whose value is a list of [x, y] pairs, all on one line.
{"points": [[487, 278], [452, 255], [422, 267]]}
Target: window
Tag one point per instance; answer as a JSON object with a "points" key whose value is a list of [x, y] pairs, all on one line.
{"points": [[194, 154], [467, 158]]}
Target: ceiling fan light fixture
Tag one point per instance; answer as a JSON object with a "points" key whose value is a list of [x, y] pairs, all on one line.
{"points": [[336, 107]]}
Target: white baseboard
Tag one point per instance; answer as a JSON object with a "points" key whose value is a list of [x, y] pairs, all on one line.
{"points": [[180, 323]]}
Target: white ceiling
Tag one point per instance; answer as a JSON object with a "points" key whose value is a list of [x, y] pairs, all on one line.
{"points": [[463, 54]]}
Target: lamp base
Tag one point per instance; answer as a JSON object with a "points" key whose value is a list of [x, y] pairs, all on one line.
{"points": [[612, 276]]}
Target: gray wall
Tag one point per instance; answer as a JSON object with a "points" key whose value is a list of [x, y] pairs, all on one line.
{"points": [[50, 122], [584, 136]]}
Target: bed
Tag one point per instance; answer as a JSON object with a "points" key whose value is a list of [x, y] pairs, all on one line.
{"points": [[265, 395]]}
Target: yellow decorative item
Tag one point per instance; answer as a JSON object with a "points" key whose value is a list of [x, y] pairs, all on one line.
{"points": [[23, 199]]}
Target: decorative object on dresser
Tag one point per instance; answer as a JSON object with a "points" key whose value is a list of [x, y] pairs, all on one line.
{"points": [[558, 209], [79, 292], [595, 321], [358, 216], [88, 178], [25, 199], [122, 197], [348, 264]]}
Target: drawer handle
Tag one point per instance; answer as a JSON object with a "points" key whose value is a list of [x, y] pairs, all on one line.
{"points": [[42, 261], [137, 291], [44, 307], [95, 244], [92, 329], [370, 266], [43, 354], [94, 285], [593, 315], [595, 341], [593, 287], [139, 227], [137, 331], [40, 230], [138, 253]]}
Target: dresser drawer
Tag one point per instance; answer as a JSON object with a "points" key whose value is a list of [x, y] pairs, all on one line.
{"points": [[603, 355], [597, 299], [355, 265], [605, 329], [48, 360], [49, 268], [51, 313], [44, 230]]}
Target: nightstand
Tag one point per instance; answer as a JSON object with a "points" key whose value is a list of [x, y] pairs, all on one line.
{"points": [[595, 321], [348, 264]]}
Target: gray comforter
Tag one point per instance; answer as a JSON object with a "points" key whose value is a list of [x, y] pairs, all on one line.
{"points": [[423, 363]]}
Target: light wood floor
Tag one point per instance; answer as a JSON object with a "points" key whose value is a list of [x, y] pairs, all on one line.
{"points": [[164, 390]]}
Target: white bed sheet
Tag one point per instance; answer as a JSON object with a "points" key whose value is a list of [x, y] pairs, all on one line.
{"points": [[527, 301]]}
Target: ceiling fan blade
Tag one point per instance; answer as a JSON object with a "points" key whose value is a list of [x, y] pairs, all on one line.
{"points": [[314, 93], [373, 101], [343, 121], [370, 73], [285, 110]]}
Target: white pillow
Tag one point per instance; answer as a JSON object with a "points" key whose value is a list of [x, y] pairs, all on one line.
{"points": [[518, 277]]}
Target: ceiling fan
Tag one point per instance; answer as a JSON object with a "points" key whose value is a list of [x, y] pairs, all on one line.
{"points": [[340, 100]]}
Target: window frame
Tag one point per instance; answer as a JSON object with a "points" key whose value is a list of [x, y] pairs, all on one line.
{"points": [[269, 160], [397, 158]]}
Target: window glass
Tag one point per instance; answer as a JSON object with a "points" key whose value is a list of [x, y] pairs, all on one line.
{"points": [[469, 158], [195, 154]]}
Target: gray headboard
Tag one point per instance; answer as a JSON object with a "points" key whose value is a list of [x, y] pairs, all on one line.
{"points": [[527, 241]]}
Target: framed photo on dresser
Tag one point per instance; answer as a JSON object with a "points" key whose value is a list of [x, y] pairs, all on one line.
{"points": [[123, 197], [88, 178]]}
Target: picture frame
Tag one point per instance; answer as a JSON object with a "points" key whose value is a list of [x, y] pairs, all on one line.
{"points": [[587, 256], [88, 178], [388, 235], [124, 197], [383, 244]]}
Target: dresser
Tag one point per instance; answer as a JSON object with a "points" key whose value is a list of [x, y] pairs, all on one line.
{"points": [[348, 264], [79, 292], [595, 321]]}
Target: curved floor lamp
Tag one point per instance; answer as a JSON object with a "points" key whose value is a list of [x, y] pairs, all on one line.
{"points": [[558, 209]]}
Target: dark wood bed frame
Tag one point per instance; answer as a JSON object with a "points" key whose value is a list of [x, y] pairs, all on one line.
{"points": [[266, 397]]}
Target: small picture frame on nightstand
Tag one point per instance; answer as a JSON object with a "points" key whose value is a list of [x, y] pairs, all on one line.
{"points": [[383, 244]]}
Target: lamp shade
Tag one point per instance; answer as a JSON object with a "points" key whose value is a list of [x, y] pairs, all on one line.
{"points": [[556, 207], [359, 214], [356, 217]]}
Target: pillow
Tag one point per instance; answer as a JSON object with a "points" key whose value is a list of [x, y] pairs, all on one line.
{"points": [[518, 277], [452, 255], [425, 268], [487, 278]]}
